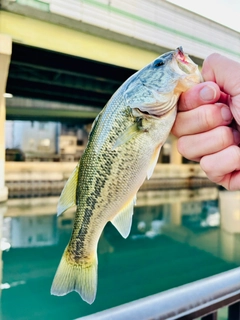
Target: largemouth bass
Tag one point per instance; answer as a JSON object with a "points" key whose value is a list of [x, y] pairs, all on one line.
{"points": [[122, 151]]}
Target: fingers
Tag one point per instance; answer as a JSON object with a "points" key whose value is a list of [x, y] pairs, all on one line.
{"points": [[203, 118], [194, 147], [202, 124], [224, 71], [223, 167], [203, 93]]}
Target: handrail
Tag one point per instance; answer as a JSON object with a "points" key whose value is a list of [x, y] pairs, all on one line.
{"points": [[189, 301]]}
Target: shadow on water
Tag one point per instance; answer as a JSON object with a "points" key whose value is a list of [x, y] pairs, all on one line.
{"points": [[177, 237]]}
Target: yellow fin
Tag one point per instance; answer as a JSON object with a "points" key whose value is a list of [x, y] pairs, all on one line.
{"points": [[123, 220], [127, 135], [81, 278], [68, 196], [153, 162]]}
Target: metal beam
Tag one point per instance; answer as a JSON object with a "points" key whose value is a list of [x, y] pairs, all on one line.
{"points": [[33, 32], [63, 79], [49, 68], [32, 109]]}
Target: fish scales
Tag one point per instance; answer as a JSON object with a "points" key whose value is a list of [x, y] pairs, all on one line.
{"points": [[101, 166], [97, 170], [123, 148]]}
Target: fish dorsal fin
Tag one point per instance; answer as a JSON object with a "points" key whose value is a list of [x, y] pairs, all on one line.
{"points": [[68, 196], [123, 220], [153, 162]]}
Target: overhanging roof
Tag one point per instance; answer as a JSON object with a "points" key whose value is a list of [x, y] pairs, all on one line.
{"points": [[49, 85]]}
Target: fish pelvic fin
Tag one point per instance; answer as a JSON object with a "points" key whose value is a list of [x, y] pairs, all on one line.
{"points": [[68, 196], [153, 161], [123, 220], [80, 277]]}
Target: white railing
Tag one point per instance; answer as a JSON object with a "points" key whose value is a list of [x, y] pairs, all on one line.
{"points": [[198, 299]]}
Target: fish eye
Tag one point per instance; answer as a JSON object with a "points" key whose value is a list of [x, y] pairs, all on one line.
{"points": [[159, 63]]}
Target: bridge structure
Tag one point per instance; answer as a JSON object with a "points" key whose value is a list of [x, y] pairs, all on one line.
{"points": [[68, 57]]}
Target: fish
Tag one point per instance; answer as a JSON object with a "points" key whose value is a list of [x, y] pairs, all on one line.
{"points": [[122, 151]]}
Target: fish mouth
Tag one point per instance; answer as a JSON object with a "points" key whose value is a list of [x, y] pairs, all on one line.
{"points": [[183, 63], [188, 74]]}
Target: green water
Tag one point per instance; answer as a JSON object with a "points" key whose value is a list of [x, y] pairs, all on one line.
{"points": [[170, 244]]}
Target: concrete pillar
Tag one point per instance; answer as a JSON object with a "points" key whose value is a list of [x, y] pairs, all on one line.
{"points": [[5, 54], [176, 213], [175, 156], [3, 210], [230, 211]]}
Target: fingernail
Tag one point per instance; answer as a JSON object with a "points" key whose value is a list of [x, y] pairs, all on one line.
{"points": [[226, 113], [236, 136], [208, 93]]}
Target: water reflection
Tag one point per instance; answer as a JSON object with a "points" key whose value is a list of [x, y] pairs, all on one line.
{"points": [[177, 236]]}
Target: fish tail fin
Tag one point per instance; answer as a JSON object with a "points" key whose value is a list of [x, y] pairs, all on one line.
{"points": [[80, 277]]}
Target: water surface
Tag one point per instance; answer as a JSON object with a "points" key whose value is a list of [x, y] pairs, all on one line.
{"points": [[177, 237]]}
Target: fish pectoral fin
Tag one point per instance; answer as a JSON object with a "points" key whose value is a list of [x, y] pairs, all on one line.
{"points": [[80, 277], [123, 220], [153, 161], [127, 135], [68, 196]]}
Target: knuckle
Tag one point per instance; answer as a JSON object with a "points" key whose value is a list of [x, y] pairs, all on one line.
{"points": [[181, 146], [206, 118], [212, 57], [204, 163], [236, 153], [187, 99], [178, 126], [209, 168], [183, 101], [225, 137], [184, 148]]}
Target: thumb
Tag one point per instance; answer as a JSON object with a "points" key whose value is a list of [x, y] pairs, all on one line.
{"points": [[226, 74], [223, 71]]}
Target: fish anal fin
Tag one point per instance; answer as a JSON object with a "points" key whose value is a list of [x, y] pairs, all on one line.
{"points": [[68, 196], [123, 220], [153, 161], [81, 278]]}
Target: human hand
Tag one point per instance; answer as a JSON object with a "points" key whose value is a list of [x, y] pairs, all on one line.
{"points": [[204, 122]]}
